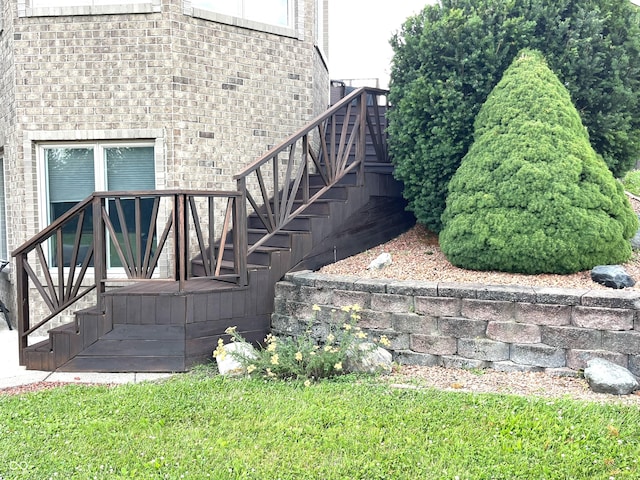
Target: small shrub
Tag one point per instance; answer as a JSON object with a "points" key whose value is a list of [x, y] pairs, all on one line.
{"points": [[301, 357], [532, 196]]}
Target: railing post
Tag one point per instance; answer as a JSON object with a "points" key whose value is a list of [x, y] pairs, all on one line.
{"points": [[181, 241], [240, 239], [22, 287], [361, 152], [305, 174], [99, 250]]}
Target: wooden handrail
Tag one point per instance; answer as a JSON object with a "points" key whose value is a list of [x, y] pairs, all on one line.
{"points": [[284, 190], [55, 263], [312, 125]]}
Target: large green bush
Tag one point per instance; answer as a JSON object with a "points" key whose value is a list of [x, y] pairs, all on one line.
{"points": [[449, 57], [532, 195]]}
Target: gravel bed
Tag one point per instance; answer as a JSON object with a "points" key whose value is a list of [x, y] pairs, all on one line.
{"points": [[531, 384], [416, 255]]}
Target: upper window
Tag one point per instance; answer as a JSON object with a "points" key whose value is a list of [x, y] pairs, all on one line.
{"points": [[34, 8], [271, 12], [81, 3]]}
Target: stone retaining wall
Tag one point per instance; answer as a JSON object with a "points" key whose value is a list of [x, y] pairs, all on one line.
{"points": [[507, 328]]}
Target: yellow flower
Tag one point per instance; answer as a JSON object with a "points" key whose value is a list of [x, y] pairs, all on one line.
{"points": [[251, 368], [269, 338], [274, 359], [272, 347], [345, 308], [299, 356], [270, 373], [384, 341], [356, 308], [327, 348], [361, 335], [315, 308], [307, 383], [355, 316], [220, 352], [347, 326], [338, 366], [331, 338], [230, 330]]}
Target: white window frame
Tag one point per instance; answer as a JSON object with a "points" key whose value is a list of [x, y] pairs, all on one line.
{"points": [[291, 30], [27, 8], [44, 211]]}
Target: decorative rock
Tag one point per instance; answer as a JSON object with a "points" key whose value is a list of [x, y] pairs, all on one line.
{"points": [[613, 276], [229, 364], [374, 359], [383, 260], [607, 377]]}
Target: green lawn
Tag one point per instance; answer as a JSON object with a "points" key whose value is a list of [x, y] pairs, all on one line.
{"points": [[202, 426]]}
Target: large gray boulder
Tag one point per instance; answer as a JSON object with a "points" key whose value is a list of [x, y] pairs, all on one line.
{"points": [[604, 376], [613, 276]]}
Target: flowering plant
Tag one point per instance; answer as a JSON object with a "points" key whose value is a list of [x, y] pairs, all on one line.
{"points": [[301, 357]]}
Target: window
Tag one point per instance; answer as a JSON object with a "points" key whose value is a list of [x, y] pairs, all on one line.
{"points": [[4, 251], [73, 172], [321, 26], [34, 8], [272, 12], [81, 3]]}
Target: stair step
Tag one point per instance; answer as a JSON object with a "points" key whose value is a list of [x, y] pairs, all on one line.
{"points": [[260, 256], [148, 348], [299, 223], [111, 364]]}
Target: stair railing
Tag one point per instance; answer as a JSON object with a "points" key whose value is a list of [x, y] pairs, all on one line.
{"points": [[277, 187], [143, 236]]}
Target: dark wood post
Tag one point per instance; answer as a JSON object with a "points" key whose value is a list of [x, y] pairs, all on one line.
{"points": [[99, 250], [361, 150], [22, 287], [181, 240], [241, 240]]}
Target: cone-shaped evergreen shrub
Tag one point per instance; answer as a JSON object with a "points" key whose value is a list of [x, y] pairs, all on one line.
{"points": [[531, 195]]}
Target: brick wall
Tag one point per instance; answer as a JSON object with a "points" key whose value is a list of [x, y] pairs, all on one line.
{"points": [[473, 326]]}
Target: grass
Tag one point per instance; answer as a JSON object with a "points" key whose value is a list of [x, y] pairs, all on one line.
{"points": [[202, 426], [631, 182]]}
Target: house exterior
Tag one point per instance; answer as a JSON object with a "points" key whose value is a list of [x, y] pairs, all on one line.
{"points": [[145, 94]]}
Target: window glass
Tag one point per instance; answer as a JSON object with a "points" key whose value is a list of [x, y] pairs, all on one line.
{"points": [[80, 3], [3, 218], [71, 178], [74, 173], [273, 12]]}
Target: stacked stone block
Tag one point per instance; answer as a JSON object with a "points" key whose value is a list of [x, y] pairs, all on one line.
{"points": [[507, 328]]}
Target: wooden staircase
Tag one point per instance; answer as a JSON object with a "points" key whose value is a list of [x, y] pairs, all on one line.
{"points": [[169, 325]]}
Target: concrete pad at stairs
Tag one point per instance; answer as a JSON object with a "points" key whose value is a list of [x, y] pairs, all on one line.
{"points": [[104, 378]]}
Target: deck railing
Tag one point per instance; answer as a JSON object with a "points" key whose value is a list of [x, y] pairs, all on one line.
{"points": [[277, 186], [119, 236]]}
